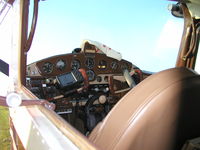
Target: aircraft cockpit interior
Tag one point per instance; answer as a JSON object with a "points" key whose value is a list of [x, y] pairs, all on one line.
{"points": [[60, 95], [85, 84]]}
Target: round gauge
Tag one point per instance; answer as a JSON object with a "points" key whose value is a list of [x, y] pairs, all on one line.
{"points": [[47, 67], [99, 78], [102, 64], [91, 75], [124, 66], [114, 65], [75, 64], [89, 63], [61, 64]]}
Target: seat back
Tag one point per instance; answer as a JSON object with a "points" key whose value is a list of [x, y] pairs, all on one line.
{"points": [[161, 113]]}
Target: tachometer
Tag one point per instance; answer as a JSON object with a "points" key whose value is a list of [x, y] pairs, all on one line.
{"points": [[60, 65], [47, 67], [75, 64], [89, 63]]}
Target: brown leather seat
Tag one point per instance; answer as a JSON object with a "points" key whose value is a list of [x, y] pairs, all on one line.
{"points": [[161, 113]]}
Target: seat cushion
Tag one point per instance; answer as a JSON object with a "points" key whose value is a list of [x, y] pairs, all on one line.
{"points": [[160, 113]]}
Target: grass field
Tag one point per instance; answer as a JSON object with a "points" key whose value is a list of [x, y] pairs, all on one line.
{"points": [[5, 139]]}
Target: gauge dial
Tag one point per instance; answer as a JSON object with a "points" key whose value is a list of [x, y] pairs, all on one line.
{"points": [[75, 64], [102, 64], [89, 63], [91, 75], [47, 67], [60, 65], [99, 78], [124, 66], [114, 65]]}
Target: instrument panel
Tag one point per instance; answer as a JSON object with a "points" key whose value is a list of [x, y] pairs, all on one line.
{"points": [[94, 64]]}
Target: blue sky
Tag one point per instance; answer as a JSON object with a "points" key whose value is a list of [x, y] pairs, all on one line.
{"points": [[143, 31]]}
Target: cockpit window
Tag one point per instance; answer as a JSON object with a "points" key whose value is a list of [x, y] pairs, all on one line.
{"points": [[6, 43], [144, 32], [4, 9], [6, 31]]}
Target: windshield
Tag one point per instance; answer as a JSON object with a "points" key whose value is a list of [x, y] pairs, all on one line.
{"points": [[144, 32]]}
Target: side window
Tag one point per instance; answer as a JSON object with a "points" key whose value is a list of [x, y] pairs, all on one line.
{"points": [[4, 9], [6, 44]]}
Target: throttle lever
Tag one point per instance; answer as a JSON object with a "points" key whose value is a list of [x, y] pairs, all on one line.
{"points": [[129, 79]]}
